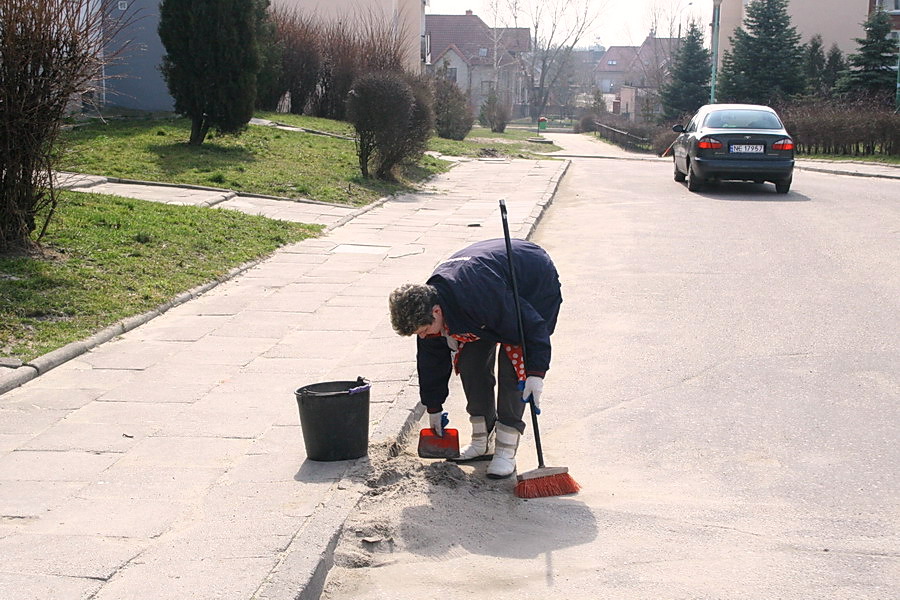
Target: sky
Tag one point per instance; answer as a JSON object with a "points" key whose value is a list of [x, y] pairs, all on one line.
{"points": [[621, 22]]}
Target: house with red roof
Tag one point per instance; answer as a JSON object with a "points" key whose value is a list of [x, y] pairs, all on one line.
{"points": [[635, 74], [480, 58]]}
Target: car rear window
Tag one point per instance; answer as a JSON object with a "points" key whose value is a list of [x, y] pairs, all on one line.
{"points": [[742, 119]]}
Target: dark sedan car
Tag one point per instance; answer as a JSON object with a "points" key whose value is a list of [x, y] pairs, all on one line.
{"points": [[734, 142]]}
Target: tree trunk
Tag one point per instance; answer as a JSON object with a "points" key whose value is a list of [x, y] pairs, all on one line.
{"points": [[199, 129]]}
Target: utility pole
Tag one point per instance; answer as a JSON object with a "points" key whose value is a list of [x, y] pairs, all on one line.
{"points": [[717, 12]]}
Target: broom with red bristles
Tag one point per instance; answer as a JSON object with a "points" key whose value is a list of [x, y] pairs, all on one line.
{"points": [[543, 481]]}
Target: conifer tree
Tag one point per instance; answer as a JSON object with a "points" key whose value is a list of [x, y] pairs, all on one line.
{"points": [[765, 62], [871, 69], [835, 65], [211, 61], [688, 87], [814, 66]]}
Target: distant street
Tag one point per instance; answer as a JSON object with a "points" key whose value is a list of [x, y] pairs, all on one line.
{"points": [[724, 385], [726, 381]]}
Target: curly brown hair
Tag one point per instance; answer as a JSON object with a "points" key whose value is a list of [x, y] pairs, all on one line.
{"points": [[411, 307]]}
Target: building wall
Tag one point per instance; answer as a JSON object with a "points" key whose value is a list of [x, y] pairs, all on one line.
{"points": [[455, 61], [892, 7], [135, 81], [837, 21]]}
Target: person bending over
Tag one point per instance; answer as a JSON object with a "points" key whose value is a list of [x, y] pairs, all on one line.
{"points": [[462, 315]]}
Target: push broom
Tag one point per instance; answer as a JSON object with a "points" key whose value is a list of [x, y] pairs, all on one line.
{"points": [[543, 481]]}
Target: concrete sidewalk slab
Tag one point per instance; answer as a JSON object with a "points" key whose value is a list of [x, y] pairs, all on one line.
{"points": [[169, 462], [285, 209]]}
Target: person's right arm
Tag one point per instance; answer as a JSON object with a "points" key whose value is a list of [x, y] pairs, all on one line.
{"points": [[434, 367]]}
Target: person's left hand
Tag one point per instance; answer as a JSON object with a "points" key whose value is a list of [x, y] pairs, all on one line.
{"points": [[534, 385], [438, 421]]}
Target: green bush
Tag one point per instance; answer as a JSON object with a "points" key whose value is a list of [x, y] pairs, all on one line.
{"points": [[453, 119], [393, 117], [587, 123], [861, 128], [494, 113], [411, 141]]}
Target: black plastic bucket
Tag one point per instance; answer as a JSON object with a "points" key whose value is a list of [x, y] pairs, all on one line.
{"points": [[334, 417]]}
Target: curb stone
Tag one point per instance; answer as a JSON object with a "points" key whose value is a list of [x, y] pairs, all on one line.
{"points": [[849, 173]]}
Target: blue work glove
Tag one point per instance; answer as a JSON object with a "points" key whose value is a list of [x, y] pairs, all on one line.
{"points": [[531, 392], [438, 421]]}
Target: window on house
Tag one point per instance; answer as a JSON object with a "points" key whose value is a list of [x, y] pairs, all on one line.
{"points": [[486, 87], [612, 63], [451, 74], [123, 5], [482, 52], [426, 48]]}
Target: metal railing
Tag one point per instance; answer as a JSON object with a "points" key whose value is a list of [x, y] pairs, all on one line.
{"points": [[622, 138]]}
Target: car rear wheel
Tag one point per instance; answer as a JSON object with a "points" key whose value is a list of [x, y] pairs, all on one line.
{"points": [[783, 186], [679, 176], [693, 181]]}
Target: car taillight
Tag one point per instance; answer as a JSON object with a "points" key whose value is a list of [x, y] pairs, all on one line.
{"points": [[785, 144], [708, 143]]}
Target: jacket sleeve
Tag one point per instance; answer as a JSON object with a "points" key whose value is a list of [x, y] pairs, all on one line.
{"points": [[434, 368], [537, 340]]}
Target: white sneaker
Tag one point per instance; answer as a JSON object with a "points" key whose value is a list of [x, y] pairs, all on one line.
{"points": [[504, 461], [480, 444]]}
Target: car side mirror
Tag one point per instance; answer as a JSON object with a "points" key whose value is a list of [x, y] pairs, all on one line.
{"points": [[678, 128]]}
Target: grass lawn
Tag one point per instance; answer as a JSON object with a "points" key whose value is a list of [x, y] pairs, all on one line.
{"points": [[262, 160], [483, 142], [109, 258]]}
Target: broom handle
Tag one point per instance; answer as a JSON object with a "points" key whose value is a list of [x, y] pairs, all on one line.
{"points": [[515, 289]]}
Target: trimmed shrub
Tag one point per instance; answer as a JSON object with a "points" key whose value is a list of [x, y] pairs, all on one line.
{"points": [[861, 128], [452, 118], [393, 117], [494, 113], [412, 140], [586, 123]]}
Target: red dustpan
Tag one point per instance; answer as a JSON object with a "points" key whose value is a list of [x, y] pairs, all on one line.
{"points": [[433, 446]]}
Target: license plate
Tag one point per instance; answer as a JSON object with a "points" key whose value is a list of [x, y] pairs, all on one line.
{"points": [[748, 148]]}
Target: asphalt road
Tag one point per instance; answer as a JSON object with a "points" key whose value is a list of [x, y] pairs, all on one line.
{"points": [[725, 384]]}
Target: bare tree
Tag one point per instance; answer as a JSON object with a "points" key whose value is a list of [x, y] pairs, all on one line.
{"points": [[51, 53], [298, 35], [557, 26]]}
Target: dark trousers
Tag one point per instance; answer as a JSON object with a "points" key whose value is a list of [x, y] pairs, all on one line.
{"points": [[476, 363]]}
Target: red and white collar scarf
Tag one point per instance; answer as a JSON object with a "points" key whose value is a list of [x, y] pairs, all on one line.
{"points": [[513, 352]]}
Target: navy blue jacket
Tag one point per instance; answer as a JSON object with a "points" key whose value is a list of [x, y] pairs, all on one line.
{"points": [[475, 295]]}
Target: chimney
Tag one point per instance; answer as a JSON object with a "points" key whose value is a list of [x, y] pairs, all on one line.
{"points": [[468, 13]]}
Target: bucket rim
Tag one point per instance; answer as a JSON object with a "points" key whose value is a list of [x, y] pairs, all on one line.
{"points": [[361, 385]]}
